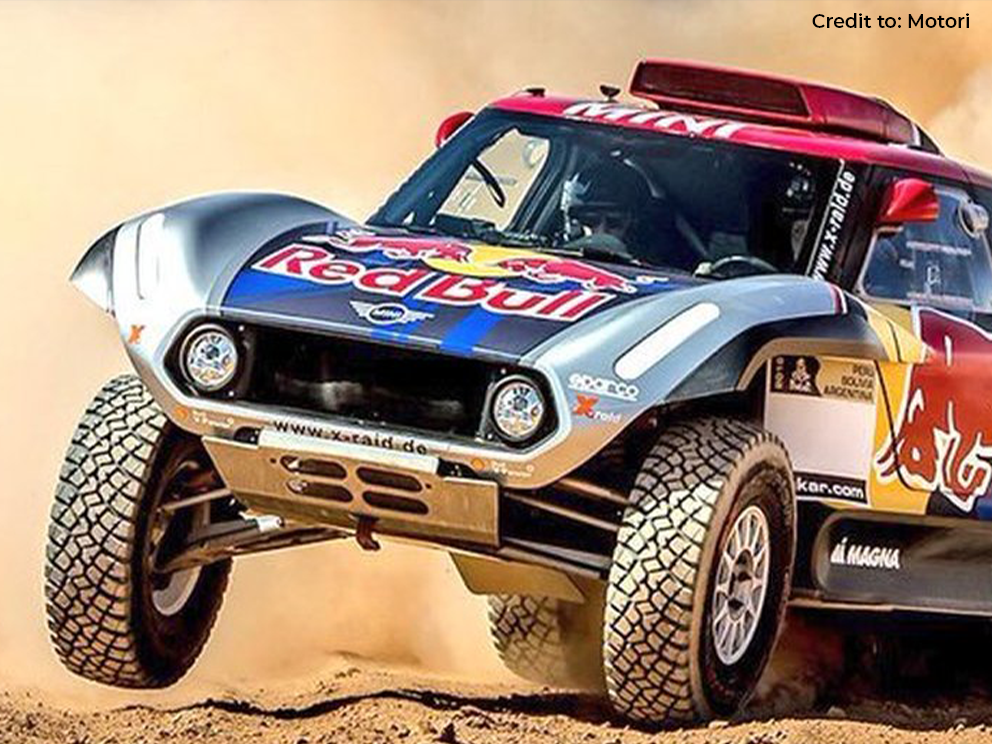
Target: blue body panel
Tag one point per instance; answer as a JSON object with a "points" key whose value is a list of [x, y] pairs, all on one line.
{"points": [[326, 292]]}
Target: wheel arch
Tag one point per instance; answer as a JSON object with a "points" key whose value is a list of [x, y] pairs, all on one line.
{"points": [[739, 365], [732, 381], [721, 369]]}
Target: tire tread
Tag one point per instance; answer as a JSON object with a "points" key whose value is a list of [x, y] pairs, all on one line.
{"points": [[92, 534], [656, 564]]}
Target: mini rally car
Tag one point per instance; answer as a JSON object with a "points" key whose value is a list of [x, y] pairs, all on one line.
{"points": [[648, 371]]}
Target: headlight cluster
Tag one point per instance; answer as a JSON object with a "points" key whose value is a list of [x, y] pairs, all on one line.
{"points": [[518, 409], [210, 358]]}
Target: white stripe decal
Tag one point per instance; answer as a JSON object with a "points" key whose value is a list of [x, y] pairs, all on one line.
{"points": [[656, 346]]}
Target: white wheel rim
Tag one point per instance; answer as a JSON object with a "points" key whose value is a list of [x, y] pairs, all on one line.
{"points": [[741, 585], [170, 599]]}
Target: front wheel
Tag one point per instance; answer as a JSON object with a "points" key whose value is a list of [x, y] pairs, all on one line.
{"points": [[701, 572], [115, 616]]}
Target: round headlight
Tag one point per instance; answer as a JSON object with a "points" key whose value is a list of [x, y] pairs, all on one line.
{"points": [[518, 409], [210, 358]]}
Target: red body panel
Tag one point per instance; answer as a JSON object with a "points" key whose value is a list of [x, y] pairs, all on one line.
{"points": [[822, 144]]}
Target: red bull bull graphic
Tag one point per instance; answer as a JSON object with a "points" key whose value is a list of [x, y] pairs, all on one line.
{"points": [[398, 249], [942, 440], [453, 256], [554, 270]]}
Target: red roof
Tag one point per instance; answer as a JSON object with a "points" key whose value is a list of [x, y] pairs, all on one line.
{"points": [[775, 137]]}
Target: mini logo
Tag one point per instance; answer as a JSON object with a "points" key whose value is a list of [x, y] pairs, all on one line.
{"points": [[388, 313], [584, 383], [865, 556]]}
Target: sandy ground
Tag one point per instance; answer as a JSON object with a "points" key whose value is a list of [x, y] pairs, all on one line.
{"points": [[355, 702], [355, 707], [816, 690], [112, 108]]}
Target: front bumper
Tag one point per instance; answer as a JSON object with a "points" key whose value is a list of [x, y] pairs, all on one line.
{"points": [[341, 483]]}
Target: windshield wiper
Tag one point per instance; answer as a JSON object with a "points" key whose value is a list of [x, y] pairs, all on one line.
{"points": [[416, 229], [474, 229], [511, 238], [486, 231], [597, 253], [492, 183]]}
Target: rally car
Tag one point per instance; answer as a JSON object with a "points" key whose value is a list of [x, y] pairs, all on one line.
{"points": [[648, 370]]}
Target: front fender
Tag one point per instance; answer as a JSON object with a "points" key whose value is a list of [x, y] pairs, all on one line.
{"points": [[157, 269], [695, 343]]}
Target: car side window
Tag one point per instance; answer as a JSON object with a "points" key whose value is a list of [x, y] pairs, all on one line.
{"points": [[944, 263]]}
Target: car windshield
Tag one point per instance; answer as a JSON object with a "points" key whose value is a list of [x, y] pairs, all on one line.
{"points": [[697, 205]]}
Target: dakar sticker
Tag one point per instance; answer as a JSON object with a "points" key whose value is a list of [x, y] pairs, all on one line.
{"points": [[796, 375], [821, 487], [826, 378]]}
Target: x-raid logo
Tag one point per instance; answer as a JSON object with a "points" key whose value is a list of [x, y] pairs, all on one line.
{"points": [[585, 406], [865, 556], [833, 223]]}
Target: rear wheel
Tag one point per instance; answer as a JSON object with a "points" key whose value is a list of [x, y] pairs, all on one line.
{"points": [[550, 641], [115, 615], [701, 572]]}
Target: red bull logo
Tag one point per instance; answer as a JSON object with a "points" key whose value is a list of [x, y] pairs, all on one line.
{"points": [[310, 263], [455, 257], [943, 438]]}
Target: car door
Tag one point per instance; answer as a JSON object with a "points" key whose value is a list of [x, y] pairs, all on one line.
{"points": [[934, 278]]}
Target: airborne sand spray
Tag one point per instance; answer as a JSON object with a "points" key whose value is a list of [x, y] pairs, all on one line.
{"points": [[112, 108]]}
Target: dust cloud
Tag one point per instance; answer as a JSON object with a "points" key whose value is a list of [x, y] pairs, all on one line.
{"points": [[110, 108]]}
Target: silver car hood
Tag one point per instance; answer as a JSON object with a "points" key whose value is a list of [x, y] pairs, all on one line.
{"points": [[640, 336]]}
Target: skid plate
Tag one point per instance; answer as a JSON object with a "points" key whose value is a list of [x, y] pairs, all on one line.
{"points": [[338, 482]]}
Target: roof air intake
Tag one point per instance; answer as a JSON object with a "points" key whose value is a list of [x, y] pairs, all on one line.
{"points": [[767, 98]]}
